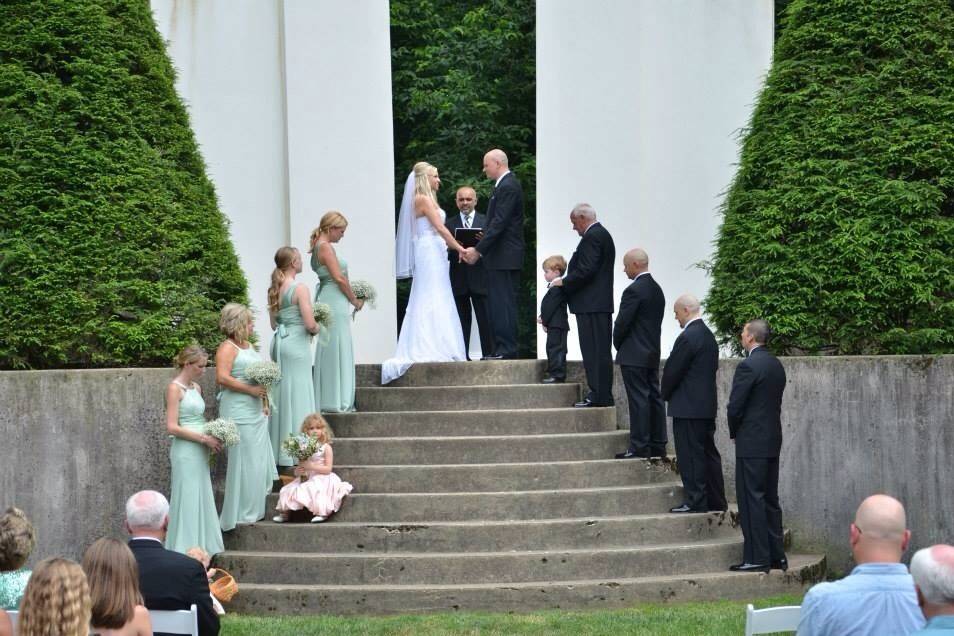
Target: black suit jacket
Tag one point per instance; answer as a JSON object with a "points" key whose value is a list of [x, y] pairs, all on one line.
{"points": [[638, 327], [755, 405], [553, 309], [689, 377], [172, 581], [466, 279], [589, 275], [502, 245]]}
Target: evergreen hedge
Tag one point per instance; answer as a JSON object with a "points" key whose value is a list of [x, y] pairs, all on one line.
{"points": [[112, 248], [838, 226]]}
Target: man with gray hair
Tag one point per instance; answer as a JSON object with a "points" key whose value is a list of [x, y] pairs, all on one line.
{"points": [[878, 596], [167, 580], [933, 572]]}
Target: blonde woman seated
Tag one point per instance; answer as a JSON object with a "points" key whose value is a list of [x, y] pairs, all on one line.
{"points": [[56, 600]]}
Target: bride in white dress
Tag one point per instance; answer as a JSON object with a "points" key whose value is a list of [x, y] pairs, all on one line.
{"points": [[431, 329]]}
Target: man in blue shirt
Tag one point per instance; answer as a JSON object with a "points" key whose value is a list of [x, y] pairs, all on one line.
{"points": [[933, 572], [878, 596]]}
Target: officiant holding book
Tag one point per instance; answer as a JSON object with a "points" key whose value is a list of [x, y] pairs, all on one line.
{"points": [[469, 282]]}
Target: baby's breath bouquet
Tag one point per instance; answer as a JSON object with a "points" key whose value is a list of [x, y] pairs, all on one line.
{"points": [[265, 373], [301, 447], [323, 315], [223, 430], [363, 290]]}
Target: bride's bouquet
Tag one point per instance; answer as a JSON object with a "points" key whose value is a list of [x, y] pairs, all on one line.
{"points": [[323, 315], [223, 430], [265, 373], [363, 290], [301, 447]]}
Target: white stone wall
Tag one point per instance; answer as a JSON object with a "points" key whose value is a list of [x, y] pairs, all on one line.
{"points": [[638, 107]]}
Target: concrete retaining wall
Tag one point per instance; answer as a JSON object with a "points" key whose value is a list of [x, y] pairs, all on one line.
{"points": [[75, 444]]}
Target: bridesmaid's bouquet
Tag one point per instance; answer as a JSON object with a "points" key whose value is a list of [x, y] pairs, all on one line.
{"points": [[223, 430], [265, 373], [323, 315], [363, 290], [301, 447]]}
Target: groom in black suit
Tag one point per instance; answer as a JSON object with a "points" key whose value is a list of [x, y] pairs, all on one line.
{"points": [[501, 249], [167, 580], [588, 283], [469, 282], [636, 335], [755, 424], [689, 387]]}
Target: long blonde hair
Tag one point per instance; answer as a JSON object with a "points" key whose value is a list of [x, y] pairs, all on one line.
{"points": [[283, 260], [422, 185], [113, 577], [330, 220], [317, 418], [56, 600]]}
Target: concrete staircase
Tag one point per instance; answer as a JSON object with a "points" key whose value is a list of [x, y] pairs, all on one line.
{"points": [[478, 488]]}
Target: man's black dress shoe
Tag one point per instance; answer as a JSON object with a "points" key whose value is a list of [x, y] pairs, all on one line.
{"points": [[749, 567], [682, 508], [583, 404], [553, 380], [492, 358], [781, 564]]}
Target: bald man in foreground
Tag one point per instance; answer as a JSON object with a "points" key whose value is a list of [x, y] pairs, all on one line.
{"points": [[933, 572], [878, 597]]}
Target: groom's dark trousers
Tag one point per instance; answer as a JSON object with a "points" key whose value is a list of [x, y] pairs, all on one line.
{"points": [[501, 250]]}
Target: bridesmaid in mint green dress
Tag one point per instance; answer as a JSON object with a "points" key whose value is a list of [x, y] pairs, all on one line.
{"points": [[292, 318], [334, 355], [193, 520], [251, 470]]}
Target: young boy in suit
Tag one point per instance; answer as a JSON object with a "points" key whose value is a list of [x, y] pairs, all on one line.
{"points": [[554, 320]]}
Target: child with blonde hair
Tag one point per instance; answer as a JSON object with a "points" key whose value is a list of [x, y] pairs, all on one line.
{"points": [[203, 557], [323, 491]]}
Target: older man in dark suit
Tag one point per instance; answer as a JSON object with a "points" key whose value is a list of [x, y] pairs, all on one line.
{"points": [[469, 282], [588, 284], [167, 580], [689, 388], [755, 423], [636, 335]]}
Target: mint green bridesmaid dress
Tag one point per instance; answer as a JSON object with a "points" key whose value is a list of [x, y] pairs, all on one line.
{"points": [[193, 520], [251, 468], [334, 355], [294, 396]]}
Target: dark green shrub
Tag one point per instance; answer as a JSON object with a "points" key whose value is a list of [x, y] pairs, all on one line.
{"points": [[112, 248], [838, 227]]}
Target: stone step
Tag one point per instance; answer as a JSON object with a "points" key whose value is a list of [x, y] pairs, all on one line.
{"points": [[512, 505], [480, 536], [466, 398], [598, 593], [472, 373], [446, 568], [494, 449], [494, 477], [454, 423]]}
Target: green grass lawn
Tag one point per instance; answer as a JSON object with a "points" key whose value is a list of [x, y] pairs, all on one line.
{"points": [[675, 619]]}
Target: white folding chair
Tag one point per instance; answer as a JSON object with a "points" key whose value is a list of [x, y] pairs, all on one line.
{"points": [[176, 621], [14, 615], [771, 619]]}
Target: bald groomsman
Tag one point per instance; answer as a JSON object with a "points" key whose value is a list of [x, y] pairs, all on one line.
{"points": [[636, 335], [469, 282], [689, 388]]}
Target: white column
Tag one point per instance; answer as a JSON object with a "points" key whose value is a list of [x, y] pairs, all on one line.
{"points": [[639, 105]]}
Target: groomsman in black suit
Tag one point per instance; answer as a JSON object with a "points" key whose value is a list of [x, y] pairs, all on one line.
{"points": [[501, 249], [167, 580], [689, 388], [636, 336], [588, 283], [469, 282], [755, 423]]}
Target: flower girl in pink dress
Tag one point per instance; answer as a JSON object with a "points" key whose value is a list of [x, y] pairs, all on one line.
{"points": [[323, 491]]}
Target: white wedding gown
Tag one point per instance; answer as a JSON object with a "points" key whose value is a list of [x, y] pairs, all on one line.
{"points": [[431, 329]]}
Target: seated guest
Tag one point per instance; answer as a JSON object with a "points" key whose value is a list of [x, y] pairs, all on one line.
{"points": [[933, 572], [113, 578], [168, 580], [878, 596], [17, 540], [56, 600]]}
